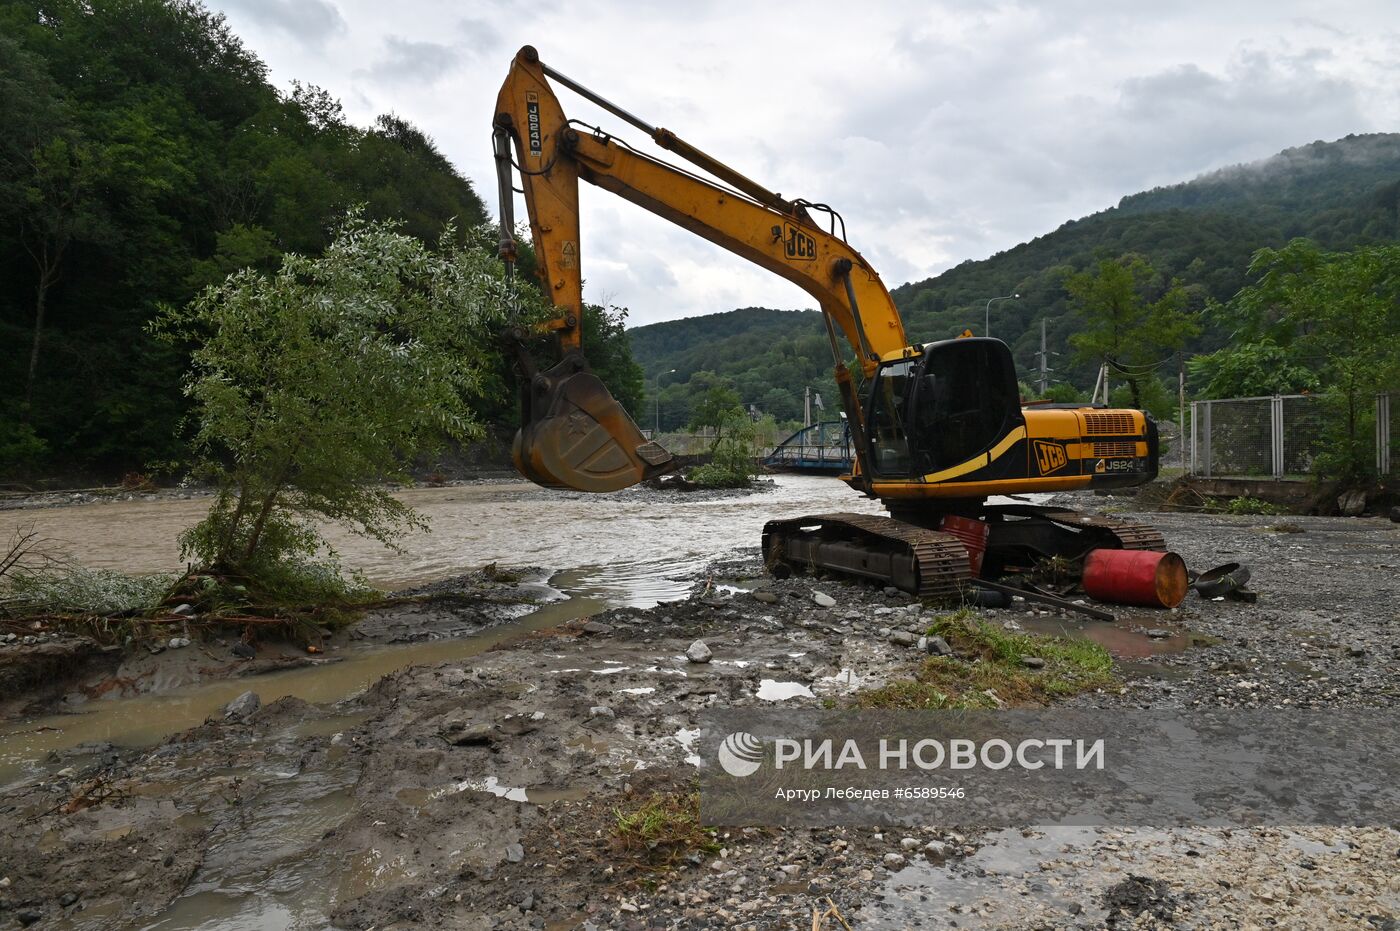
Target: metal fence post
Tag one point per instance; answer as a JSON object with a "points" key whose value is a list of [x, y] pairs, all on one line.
{"points": [[1276, 434], [1383, 434], [1193, 436], [1205, 438]]}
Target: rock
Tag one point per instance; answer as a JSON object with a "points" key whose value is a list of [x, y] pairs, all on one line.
{"points": [[767, 598], [242, 707], [462, 734], [1395, 514], [27, 916], [1356, 649], [515, 853], [1158, 633], [903, 638], [1352, 503], [909, 843], [177, 643], [185, 609], [597, 627], [601, 711], [5, 883], [1032, 662], [938, 647], [936, 850], [823, 600], [67, 899], [894, 861], [243, 651], [698, 652], [891, 591]]}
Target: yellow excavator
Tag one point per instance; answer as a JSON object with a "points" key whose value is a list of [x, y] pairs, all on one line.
{"points": [[938, 427]]}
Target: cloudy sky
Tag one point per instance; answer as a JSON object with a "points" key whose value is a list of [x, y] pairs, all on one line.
{"points": [[942, 131]]}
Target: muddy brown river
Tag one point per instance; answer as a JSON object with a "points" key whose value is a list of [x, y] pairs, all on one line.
{"points": [[633, 548], [629, 547]]}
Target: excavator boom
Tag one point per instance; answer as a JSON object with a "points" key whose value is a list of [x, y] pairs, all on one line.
{"points": [[557, 445]]}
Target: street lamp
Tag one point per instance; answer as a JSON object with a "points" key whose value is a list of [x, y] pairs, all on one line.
{"points": [[656, 425], [987, 324]]}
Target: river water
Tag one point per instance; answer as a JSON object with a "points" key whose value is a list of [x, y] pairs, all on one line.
{"points": [[631, 548]]}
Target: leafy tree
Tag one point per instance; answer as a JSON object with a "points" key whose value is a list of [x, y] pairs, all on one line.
{"points": [[1121, 326], [609, 354], [717, 410], [733, 459], [314, 384], [1251, 369], [1340, 314]]}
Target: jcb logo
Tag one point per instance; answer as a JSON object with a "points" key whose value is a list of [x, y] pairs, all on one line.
{"points": [[1050, 456], [797, 244]]}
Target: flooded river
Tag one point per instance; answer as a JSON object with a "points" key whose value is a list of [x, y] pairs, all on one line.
{"points": [[630, 548], [633, 548]]}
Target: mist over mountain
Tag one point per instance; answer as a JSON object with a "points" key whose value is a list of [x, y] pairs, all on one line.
{"points": [[1203, 232]]}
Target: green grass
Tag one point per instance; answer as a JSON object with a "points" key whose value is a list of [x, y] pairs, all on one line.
{"points": [[663, 829], [989, 659], [1248, 505]]}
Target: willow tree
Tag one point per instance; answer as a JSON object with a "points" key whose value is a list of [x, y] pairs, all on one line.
{"points": [[314, 385]]}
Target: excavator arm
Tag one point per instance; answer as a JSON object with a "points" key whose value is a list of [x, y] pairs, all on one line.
{"points": [[574, 434]]}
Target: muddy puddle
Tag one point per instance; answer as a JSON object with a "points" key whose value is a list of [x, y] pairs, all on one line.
{"points": [[1131, 638], [1037, 876]]}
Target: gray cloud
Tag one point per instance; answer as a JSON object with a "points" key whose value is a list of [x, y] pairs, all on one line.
{"points": [[412, 61], [943, 131], [479, 37], [311, 21]]}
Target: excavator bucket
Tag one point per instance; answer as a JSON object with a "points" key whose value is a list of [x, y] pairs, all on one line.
{"points": [[576, 435]]}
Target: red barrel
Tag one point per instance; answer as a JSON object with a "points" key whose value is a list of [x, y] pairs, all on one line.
{"points": [[1135, 577]]}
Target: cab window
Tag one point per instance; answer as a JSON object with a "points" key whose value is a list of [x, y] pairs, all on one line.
{"points": [[889, 446], [967, 400]]}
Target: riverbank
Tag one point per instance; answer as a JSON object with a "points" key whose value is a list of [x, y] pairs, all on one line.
{"points": [[494, 790]]}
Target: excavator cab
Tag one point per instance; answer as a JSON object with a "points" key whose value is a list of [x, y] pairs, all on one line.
{"points": [[942, 408]]}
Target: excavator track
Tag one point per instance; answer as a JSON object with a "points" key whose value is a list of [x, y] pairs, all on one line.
{"points": [[926, 563]]}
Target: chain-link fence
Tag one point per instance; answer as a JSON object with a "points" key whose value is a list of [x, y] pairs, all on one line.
{"points": [[1279, 437], [1233, 438]]}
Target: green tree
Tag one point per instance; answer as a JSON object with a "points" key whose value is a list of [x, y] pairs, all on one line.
{"points": [[1121, 325], [717, 409], [315, 384], [733, 458], [609, 354], [1251, 369], [1339, 313]]}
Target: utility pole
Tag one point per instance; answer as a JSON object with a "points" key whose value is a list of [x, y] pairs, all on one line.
{"points": [[1044, 361], [1181, 406], [807, 406]]}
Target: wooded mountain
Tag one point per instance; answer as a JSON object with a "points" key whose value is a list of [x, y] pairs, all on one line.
{"points": [[1203, 232], [145, 155]]}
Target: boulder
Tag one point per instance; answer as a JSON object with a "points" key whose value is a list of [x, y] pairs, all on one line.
{"points": [[1352, 503], [698, 652], [823, 600], [242, 707]]}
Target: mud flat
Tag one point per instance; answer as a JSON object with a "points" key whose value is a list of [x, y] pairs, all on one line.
{"points": [[486, 790]]}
